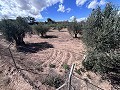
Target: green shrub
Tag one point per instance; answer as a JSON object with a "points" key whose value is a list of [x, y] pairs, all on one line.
{"points": [[54, 81], [78, 71], [103, 62], [41, 29], [66, 67]]}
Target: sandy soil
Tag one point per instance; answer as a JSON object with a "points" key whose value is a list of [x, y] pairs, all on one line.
{"points": [[34, 61]]}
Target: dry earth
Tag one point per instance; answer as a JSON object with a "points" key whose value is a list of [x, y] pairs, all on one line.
{"points": [[35, 60]]}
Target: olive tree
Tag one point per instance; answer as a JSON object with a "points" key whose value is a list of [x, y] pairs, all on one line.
{"points": [[75, 28], [102, 37], [41, 29], [15, 30]]}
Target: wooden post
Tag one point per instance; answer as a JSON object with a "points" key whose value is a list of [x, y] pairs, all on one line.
{"points": [[12, 56], [62, 86], [70, 77]]}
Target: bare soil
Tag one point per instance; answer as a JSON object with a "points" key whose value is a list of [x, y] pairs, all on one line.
{"points": [[44, 58]]}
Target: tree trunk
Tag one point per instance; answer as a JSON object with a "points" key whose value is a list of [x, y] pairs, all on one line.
{"points": [[75, 35], [42, 35], [19, 41]]}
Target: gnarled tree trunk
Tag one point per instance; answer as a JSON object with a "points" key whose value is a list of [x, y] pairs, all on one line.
{"points": [[19, 40]]}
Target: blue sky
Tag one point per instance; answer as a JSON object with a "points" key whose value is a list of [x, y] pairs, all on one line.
{"points": [[80, 12], [57, 10]]}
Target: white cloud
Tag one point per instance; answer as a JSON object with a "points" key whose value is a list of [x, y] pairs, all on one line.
{"points": [[68, 10], [78, 19], [72, 18], [81, 19], [80, 2], [93, 4], [102, 2], [14, 8], [61, 8]]}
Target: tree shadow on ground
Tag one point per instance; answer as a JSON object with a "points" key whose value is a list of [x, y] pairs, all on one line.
{"points": [[51, 36], [34, 47], [115, 80]]}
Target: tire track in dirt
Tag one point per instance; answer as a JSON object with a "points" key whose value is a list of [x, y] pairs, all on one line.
{"points": [[52, 57], [59, 57], [62, 59]]}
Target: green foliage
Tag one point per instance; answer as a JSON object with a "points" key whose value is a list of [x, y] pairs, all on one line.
{"points": [[103, 62], [54, 81], [101, 35], [14, 30], [59, 27], [78, 71], [66, 67], [51, 25], [41, 29], [102, 32]]}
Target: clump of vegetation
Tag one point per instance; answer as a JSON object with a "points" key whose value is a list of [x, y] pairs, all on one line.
{"points": [[52, 65], [66, 67], [102, 38], [54, 81], [78, 71], [15, 30], [41, 30]]}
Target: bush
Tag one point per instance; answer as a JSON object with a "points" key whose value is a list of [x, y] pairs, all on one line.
{"points": [[103, 62], [66, 67], [78, 71], [54, 81], [41, 29]]}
